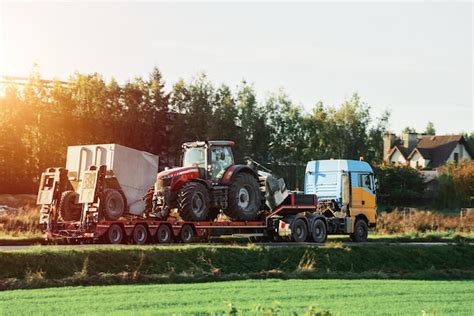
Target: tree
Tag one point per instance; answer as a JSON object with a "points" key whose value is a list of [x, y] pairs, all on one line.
{"points": [[430, 130], [409, 129]]}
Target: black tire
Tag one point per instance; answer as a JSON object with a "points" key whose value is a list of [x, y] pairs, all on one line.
{"points": [[115, 234], [193, 202], [361, 231], [213, 213], [186, 234], [244, 198], [319, 231], [299, 230], [68, 209], [140, 234], [112, 204], [164, 234]]}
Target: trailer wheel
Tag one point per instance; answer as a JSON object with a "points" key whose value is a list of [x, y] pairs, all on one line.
{"points": [[319, 231], [112, 204], [115, 234], [140, 234], [361, 231], [299, 231], [163, 235], [186, 234]]}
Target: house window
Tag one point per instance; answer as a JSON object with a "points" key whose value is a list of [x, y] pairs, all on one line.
{"points": [[456, 157], [417, 164]]}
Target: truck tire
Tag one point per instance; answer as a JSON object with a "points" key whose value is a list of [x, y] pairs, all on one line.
{"points": [[112, 204], [193, 202], [115, 234], [186, 234], [164, 234], [361, 231], [299, 230], [319, 231], [244, 198], [68, 209], [140, 234]]}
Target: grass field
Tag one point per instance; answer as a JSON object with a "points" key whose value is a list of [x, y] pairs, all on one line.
{"points": [[339, 297], [47, 267]]}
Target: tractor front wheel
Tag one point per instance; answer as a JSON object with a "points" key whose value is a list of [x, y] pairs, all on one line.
{"points": [[193, 202]]}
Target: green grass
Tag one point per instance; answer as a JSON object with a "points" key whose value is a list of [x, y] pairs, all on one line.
{"points": [[46, 267], [339, 297]]}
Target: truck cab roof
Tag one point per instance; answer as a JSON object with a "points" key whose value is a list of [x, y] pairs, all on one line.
{"points": [[338, 165]]}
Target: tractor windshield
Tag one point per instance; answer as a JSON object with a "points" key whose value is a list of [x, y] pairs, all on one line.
{"points": [[194, 157]]}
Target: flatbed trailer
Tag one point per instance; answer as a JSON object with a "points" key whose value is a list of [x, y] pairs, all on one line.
{"points": [[296, 219]]}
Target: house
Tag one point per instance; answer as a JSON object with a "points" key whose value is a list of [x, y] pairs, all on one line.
{"points": [[425, 152]]}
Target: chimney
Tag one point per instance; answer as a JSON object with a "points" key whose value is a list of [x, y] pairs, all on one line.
{"points": [[410, 140], [388, 142]]}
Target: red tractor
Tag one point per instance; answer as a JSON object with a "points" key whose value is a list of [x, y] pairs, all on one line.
{"points": [[208, 182]]}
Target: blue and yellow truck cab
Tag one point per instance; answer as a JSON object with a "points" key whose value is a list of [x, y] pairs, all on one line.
{"points": [[346, 191]]}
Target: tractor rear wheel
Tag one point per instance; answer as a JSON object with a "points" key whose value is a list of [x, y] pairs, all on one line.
{"points": [[68, 210], [193, 202], [244, 198], [112, 204]]}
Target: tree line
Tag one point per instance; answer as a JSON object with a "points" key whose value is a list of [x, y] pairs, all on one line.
{"points": [[38, 122]]}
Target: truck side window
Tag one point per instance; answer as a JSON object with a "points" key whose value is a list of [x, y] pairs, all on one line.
{"points": [[365, 181]]}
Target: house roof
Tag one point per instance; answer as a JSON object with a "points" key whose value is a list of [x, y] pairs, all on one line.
{"points": [[398, 145], [438, 148]]}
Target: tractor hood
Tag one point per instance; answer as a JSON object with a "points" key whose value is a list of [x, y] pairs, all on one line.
{"points": [[175, 172]]}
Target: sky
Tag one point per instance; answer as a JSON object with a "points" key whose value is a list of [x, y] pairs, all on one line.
{"points": [[413, 59]]}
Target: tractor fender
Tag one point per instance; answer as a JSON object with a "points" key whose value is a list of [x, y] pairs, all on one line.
{"points": [[234, 170]]}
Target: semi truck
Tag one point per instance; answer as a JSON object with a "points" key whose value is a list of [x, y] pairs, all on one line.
{"points": [[209, 195]]}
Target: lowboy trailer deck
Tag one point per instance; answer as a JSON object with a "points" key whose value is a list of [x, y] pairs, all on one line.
{"points": [[294, 220]]}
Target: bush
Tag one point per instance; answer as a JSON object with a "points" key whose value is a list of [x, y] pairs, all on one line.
{"points": [[399, 185], [455, 185]]}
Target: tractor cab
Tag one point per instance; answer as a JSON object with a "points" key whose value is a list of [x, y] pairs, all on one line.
{"points": [[212, 158]]}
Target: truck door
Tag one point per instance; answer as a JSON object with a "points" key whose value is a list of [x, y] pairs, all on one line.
{"points": [[368, 191]]}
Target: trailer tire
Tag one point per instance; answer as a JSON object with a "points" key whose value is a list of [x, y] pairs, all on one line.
{"points": [[68, 210], [319, 231], [193, 202], [112, 204], [186, 234], [244, 198], [164, 234], [115, 234], [140, 234], [299, 230], [361, 231]]}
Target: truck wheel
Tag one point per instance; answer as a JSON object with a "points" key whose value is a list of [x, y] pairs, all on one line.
{"points": [[140, 234], [361, 231], [244, 198], [299, 231], [112, 204], [186, 234], [319, 231], [115, 234], [68, 209], [163, 235], [193, 202]]}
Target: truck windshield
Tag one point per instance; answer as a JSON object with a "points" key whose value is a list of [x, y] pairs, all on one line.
{"points": [[194, 157]]}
